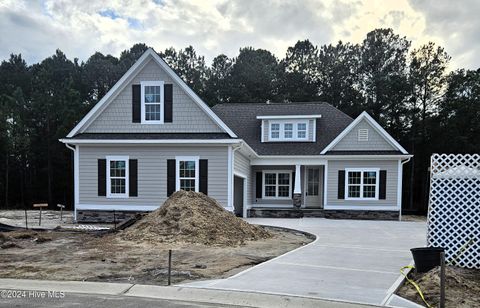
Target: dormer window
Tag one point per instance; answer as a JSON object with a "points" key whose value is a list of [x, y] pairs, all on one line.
{"points": [[302, 130], [152, 102], [275, 131], [288, 130]]}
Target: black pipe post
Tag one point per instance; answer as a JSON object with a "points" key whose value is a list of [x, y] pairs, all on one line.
{"points": [[169, 266], [114, 220], [442, 279]]}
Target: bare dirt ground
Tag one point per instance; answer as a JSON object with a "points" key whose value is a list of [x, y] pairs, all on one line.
{"points": [[58, 255], [462, 287], [207, 242]]}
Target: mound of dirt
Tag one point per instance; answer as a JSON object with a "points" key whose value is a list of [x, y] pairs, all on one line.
{"points": [[194, 218], [462, 287]]}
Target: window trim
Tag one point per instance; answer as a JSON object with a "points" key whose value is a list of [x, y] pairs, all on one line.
{"points": [[144, 84], [111, 195], [294, 123], [362, 170], [178, 159], [290, 185]]}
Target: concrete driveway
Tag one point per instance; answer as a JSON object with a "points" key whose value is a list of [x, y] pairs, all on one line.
{"points": [[351, 260]]}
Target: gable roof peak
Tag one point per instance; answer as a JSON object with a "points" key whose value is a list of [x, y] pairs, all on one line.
{"points": [[120, 85], [365, 116]]}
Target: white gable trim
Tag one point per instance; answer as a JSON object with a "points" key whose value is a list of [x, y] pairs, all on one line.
{"points": [[374, 124], [103, 103]]}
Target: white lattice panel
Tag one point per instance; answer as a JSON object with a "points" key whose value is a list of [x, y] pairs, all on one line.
{"points": [[454, 207]]}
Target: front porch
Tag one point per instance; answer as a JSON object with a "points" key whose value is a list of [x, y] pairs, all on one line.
{"points": [[294, 187]]}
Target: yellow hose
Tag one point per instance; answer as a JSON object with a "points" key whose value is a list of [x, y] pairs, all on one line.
{"points": [[414, 284]]}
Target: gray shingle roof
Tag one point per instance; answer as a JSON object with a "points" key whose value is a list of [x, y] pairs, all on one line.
{"points": [[363, 153], [241, 118], [150, 136]]}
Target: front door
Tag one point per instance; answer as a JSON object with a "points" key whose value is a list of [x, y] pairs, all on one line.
{"points": [[313, 187]]}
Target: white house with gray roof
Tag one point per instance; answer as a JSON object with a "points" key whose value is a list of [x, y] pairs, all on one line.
{"points": [[151, 135]]}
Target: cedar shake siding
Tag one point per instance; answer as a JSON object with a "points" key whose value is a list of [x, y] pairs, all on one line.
{"points": [[151, 172], [186, 114], [376, 142]]}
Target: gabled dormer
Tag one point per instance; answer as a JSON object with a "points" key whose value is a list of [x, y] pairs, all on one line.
{"points": [[288, 128]]}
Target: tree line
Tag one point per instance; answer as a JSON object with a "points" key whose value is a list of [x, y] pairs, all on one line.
{"points": [[410, 91]]}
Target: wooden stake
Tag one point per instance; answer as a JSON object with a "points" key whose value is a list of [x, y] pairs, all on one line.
{"points": [[169, 266], [442, 279]]}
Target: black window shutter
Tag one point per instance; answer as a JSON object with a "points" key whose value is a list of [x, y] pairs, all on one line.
{"points": [[203, 185], [258, 189], [168, 103], [171, 179], [102, 177], [293, 182], [136, 103], [383, 185], [133, 177], [341, 184]]}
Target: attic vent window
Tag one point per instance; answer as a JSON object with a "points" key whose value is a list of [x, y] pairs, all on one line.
{"points": [[363, 134]]}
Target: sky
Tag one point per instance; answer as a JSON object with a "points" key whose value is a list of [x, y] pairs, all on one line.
{"points": [[81, 27]]}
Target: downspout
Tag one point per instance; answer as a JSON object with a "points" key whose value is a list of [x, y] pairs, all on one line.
{"points": [[403, 162], [75, 190]]}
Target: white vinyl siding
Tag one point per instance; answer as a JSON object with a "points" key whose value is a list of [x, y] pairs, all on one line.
{"points": [[152, 172], [242, 167], [391, 166]]}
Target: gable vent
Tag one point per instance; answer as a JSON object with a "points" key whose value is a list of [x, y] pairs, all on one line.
{"points": [[363, 134]]}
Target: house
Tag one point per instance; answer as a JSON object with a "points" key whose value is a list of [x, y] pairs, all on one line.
{"points": [[151, 135]]}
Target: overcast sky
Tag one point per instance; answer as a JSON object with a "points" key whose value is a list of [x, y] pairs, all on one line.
{"points": [[81, 27]]}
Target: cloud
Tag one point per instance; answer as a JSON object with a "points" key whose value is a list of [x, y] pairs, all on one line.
{"points": [[79, 28], [457, 25]]}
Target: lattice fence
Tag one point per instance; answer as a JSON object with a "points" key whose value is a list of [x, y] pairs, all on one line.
{"points": [[454, 207]]}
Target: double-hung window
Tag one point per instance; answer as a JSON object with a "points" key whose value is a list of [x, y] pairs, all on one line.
{"points": [[277, 184], [362, 184], [187, 173], [117, 176], [289, 130], [152, 102]]}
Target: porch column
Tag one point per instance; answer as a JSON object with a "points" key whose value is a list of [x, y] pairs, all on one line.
{"points": [[297, 192]]}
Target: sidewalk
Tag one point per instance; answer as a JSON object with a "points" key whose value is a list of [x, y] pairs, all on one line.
{"points": [[223, 297]]}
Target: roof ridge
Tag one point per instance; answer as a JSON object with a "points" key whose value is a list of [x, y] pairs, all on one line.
{"points": [[275, 103]]}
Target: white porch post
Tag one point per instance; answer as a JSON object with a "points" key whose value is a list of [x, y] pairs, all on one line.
{"points": [[298, 185]]}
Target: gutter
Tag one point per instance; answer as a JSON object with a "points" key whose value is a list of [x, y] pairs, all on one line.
{"points": [[150, 141]]}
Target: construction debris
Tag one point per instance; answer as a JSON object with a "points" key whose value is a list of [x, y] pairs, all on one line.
{"points": [[193, 218], [462, 287]]}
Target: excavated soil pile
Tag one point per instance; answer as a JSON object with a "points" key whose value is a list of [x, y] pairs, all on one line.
{"points": [[462, 287], [194, 218]]}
